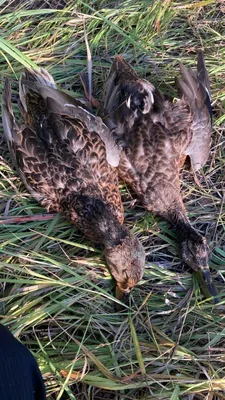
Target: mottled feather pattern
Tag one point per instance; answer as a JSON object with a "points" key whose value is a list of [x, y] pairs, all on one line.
{"points": [[153, 147], [152, 167], [60, 155], [156, 135], [67, 159], [155, 143], [76, 163]]}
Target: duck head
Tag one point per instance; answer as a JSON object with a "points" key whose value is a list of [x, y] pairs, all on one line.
{"points": [[195, 253], [126, 261]]}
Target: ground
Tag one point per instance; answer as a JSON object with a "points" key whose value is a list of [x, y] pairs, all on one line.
{"points": [[57, 295]]}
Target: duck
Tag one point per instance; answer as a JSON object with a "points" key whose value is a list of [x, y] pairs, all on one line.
{"points": [[156, 135], [67, 160]]}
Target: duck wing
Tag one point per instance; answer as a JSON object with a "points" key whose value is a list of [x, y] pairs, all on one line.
{"points": [[61, 103], [29, 154], [59, 149], [195, 89]]}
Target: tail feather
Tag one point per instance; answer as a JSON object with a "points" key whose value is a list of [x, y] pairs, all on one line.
{"points": [[188, 82], [204, 78], [42, 83], [41, 76], [111, 93], [202, 72], [8, 120], [35, 79]]}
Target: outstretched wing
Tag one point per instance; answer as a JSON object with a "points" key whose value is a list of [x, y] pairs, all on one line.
{"points": [[194, 87], [29, 154], [60, 103], [62, 148]]}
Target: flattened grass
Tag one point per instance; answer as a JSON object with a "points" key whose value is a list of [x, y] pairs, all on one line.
{"points": [[57, 294]]}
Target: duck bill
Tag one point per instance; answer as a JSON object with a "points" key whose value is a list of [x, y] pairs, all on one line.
{"points": [[209, 285], [120, 294], [123, 296]]}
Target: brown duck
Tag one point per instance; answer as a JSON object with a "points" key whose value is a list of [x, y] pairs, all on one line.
{"points": [[67, 159], [156, 136]]}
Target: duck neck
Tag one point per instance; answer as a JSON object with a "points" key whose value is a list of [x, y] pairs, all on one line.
{"points": [[182, 226], [95, 219]]}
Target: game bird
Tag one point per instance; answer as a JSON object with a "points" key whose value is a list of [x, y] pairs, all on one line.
{"points": [[67, 159], [156, 135]]}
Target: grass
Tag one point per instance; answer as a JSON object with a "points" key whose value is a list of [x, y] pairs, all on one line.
{"points": [[57, 294]]}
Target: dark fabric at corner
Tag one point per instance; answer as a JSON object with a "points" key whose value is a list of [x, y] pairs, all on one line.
{"points": [[20, 377]]}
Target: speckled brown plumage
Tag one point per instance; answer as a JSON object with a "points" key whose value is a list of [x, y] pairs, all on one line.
{"points": [[67, 159], [156, 135], [150, 160]]}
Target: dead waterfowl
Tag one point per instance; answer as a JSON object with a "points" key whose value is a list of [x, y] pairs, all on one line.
{"points": [[67, 160], [156, 136]]}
